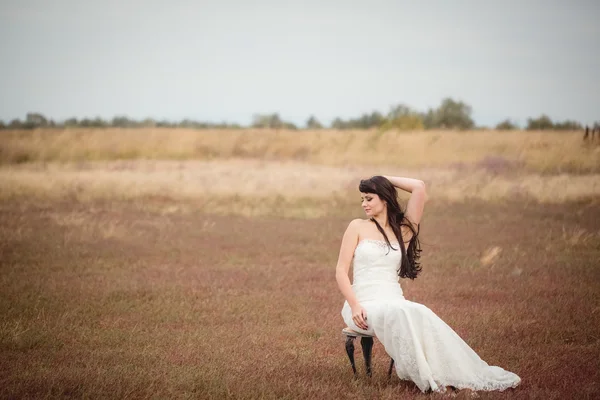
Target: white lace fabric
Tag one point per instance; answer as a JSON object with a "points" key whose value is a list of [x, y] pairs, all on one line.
{"points": [[425, 349]]}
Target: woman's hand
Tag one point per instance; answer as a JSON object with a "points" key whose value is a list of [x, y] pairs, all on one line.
{"points": [[359, 316]]}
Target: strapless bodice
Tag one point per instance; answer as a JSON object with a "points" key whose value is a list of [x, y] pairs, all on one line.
{"points": [[375, 267]]}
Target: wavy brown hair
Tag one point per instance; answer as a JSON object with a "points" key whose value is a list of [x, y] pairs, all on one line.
{"points": [[381, 186]]}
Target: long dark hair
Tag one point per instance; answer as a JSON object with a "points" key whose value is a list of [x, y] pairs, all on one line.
{"points": [[409, 265]]}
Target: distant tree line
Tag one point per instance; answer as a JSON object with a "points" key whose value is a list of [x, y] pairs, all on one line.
{"points": [[450, 114], [543, 122], [37, 120]]}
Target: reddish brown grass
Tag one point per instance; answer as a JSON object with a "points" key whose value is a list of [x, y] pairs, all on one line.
{"points": [[109, 300]]}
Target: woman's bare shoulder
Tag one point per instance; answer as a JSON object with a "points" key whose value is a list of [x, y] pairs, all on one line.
{"points": [[361, 226], [357, 223]]}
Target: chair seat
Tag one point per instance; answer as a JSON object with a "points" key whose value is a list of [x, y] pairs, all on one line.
{"points": [[349, 332]]}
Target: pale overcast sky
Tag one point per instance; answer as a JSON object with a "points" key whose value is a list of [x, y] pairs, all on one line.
{"points": [[227, 60]]}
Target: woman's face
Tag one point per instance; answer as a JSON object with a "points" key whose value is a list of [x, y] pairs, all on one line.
{"points": [[372, 204]]}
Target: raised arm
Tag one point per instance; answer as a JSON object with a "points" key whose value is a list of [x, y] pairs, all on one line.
{"points": [[349, 242], [416, 202]]}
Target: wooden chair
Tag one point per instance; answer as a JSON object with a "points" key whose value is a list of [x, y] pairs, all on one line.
{"points": [[366, 342]]}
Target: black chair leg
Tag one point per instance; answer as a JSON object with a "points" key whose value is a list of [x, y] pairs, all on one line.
{"points": [[350, 351], [367, 348], [390, 370]]}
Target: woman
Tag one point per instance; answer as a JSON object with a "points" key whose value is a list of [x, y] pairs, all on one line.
{"points": [[382, 248]]}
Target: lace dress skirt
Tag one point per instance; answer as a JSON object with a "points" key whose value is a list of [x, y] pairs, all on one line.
{"points": [[425, 349]]}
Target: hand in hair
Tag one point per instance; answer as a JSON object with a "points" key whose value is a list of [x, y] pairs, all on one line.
{"points": [[418, 197]]}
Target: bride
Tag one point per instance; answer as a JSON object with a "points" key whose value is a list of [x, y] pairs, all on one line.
{"points": [[382, 249]]}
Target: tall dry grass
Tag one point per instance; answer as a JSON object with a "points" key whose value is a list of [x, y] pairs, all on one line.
{"points": [[285, 188], [543, 152]]}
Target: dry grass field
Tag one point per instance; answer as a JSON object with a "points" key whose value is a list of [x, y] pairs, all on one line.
{"points": [[541, 152], [191, 277]]}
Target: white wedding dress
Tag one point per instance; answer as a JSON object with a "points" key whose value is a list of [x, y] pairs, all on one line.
{"points": [[425, 349]]}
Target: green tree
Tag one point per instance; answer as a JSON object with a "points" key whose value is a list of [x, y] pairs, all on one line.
{"points": [[313, 123], [71, 122], [267, 121], [402, 117], [453, 114], [271, 121], [399, 111], [365, 121], [15, 124], [429, 119], [122, 121], [148, 123], [506, 125], [99, 123], [373, 120], [166, 124], [35, 120], [186, 123], [568, 125], [543, 122], [93, 123], [338, 123]]}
